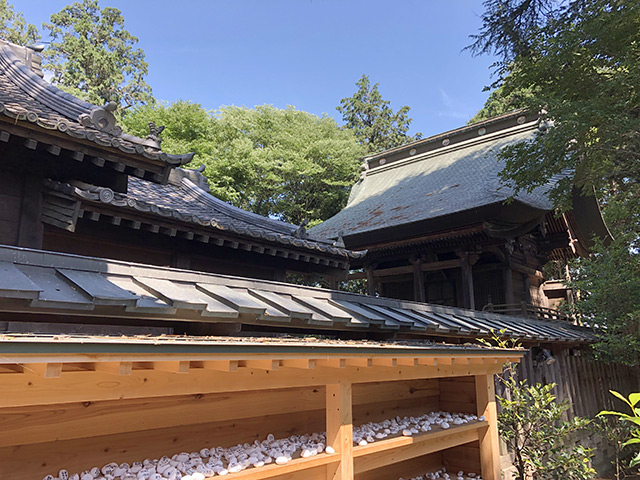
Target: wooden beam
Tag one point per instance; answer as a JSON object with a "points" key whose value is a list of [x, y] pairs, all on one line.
{"points": [[358, 362], [340, 429], [426, 361], [29, 388], [54, 150], [407, 269], [114, 368], [4, 136], [407, 361], [46, 370], [221, 365], [31, 144], [443, 361], [331, 362], [488, 436], [77, 156], [260, 364], [303, 363], [387, 362], [387, 452], [179, 366]]}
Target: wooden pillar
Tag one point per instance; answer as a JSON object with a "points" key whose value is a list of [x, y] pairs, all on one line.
{"points": [[31, 230], [371, 281], [418, 281], [340, 430], [489, 446], [468, 298], [508, 286]]}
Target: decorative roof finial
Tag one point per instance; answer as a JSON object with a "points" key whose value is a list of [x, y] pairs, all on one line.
{"points": [[301, 232], [154, 133]]}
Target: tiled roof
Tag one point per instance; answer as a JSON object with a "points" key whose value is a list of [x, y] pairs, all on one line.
{"points": [[416, 186], [25, 96], [46, 283], [183, 201]]}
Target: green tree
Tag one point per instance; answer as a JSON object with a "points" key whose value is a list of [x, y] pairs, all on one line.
{"points": [[282, 163], [14, 28], [579, 62], [499, 103], [92, 56], [373, 121]]}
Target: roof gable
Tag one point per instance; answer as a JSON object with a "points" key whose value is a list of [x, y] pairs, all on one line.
{"points": [[450, 179]]}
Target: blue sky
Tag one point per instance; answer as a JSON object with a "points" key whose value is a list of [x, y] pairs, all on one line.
{"points": [[308, 53]]}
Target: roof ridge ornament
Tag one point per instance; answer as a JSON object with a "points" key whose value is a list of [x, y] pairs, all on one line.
{"points": [[301, 232], [102, 119], [154, 134]]}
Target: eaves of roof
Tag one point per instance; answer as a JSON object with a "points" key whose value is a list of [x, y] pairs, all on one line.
{"points": [[25, 97], [46, 283], [188, 205]]}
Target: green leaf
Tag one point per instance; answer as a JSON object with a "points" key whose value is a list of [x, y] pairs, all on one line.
{"points": [[634, 398], [620, 396], [631, 442]]}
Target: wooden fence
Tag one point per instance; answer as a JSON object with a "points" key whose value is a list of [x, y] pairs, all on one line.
{"points": [[585, 383]]}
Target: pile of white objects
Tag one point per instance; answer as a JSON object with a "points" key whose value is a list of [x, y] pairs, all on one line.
{"points": [[213, 461], [408, 426], [443, 475]]}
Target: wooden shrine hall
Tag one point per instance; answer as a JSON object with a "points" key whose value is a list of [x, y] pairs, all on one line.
{"points": [[435, 220], [72, 181]]}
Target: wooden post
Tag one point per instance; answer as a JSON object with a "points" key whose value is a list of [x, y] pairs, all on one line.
{"points": [[418, 281], [509, 297], [371, 280], [489, 447], [340, 430], [468, 297]]}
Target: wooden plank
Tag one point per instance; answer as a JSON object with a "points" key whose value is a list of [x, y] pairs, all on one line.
{"points": [[114, 368], [303, 363], [172, 366], [488, 436], [221, 365], [464, 457], [407, 407], [260, 364], [387, 452], [340, 429], [31, 389], [46, 370], [16, 463], [36, 424], [385, 362], [414, 467], [358, 362], [331, 362]]}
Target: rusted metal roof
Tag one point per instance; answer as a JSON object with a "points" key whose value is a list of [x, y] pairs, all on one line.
{"points": [[47, 283], [404, 186]]}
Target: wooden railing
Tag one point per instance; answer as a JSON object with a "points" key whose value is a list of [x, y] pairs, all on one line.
{"points": [[527, 310]]}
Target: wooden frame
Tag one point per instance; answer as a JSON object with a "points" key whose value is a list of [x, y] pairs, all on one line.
{"points": [[54, 404]]}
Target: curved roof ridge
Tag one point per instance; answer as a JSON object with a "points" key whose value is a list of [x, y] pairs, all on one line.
{"points": [[39, 89], [279, 226]]}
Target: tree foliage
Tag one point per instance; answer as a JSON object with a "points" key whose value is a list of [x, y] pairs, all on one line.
{"points": [[282, 163], [373, 121], [14, 28], [581, 64], [92, 56], [633, 420], [578, 64]]}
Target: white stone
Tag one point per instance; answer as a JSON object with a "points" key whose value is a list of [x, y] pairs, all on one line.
{"points": [[406, 432], [182, 457], [444, 425], [363, 442], [281, 460], [329, 449], [197, 476]]}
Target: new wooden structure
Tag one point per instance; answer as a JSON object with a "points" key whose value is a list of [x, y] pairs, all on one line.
{"points": [[77, 403]]}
